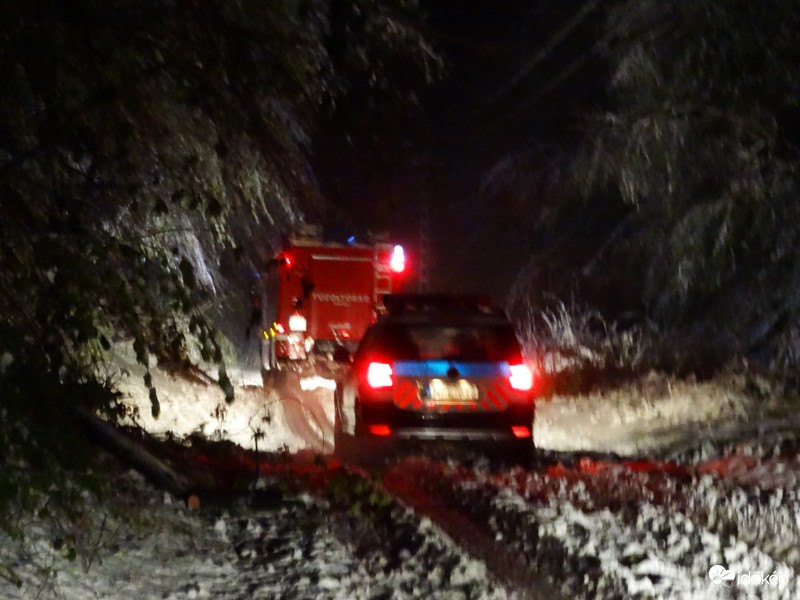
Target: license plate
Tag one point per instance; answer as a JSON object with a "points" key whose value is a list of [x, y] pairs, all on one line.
{"points": [[461, 390]]}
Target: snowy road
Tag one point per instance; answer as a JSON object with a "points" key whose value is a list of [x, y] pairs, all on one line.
{"points": [[640, 493], [587, 522], [611, 529], [460, 528]]}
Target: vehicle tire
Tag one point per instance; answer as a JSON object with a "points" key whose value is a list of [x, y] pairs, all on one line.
{"points": [[364, 451], [343, 446], [520, 453]]}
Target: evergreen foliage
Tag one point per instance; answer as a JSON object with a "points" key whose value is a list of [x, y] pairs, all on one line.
{"points": [[696, 158], [703, 141]]}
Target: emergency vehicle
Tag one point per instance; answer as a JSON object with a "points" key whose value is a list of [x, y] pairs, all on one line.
{"points": [[436, 368], [322, 296]]}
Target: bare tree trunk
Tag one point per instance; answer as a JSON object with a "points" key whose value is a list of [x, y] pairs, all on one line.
{"points": [[149, 465]]}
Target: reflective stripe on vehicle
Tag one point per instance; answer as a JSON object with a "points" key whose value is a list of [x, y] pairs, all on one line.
{"points": [[439, 368], [498, 395], [406, 395]]}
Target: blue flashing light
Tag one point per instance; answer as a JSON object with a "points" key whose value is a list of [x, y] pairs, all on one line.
{"points": [[439, 368]]}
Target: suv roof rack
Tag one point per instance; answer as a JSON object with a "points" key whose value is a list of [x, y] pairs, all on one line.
{"points": [[438, 303]]}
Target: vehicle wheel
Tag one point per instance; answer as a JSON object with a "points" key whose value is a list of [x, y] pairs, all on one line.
{"points": [[363, 451], [520, 453]]}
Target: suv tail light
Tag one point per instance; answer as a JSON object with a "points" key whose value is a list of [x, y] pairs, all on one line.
{"points": [[379, 375], [521, 378]]}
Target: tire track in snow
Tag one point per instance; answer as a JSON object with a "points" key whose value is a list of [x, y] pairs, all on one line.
{"points": [[420, 486]]}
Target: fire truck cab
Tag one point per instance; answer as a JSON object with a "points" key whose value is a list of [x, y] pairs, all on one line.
{"points": [[321, 297]]}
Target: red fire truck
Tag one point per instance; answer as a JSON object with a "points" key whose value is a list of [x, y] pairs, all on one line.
{"points": [[320, 296]]}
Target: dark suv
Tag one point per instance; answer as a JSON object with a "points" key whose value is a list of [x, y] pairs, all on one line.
{"points": [[436, 368]]}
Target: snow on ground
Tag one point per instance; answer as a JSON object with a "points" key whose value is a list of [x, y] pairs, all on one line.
{"points": [[598, 530], [299, 547], [289, 422], [654, 552], [660, 550], [293, 549], [655, 414], [611, 532]]}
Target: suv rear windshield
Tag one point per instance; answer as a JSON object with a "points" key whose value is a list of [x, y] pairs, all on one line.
{"points": [[403, 341]]}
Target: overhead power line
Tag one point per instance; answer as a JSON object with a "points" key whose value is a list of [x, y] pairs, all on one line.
{"points": [[537, 58], [508, 115]]}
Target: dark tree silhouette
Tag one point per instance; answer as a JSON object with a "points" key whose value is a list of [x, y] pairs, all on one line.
{"points": [[143, 144]]}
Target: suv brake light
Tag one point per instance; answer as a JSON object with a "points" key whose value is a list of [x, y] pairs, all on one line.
{"points": [[381, 430], [521, 378], [379, 375]]}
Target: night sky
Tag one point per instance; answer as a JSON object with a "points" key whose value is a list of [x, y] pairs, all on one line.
{"points": [[478, 114]]}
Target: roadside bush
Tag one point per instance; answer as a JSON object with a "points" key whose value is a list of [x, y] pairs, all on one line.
{"points": [[577, 348], [43, 458], [144, 148]]}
